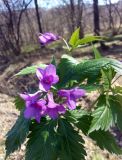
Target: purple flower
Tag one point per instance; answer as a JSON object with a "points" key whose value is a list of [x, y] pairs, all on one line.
{"points": [[35, 107], [71, 96], [54, 109], [47, 77], [47, 38]]}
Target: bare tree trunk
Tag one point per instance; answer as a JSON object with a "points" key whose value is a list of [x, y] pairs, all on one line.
{"points": [[25, 5], [80, 17], [13, 19], [97, 22], [96, 17], [110, 15], [113, 10], [72, 13], [110, 20], [38, 16]]}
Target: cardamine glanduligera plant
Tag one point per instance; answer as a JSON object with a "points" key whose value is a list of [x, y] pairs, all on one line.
{"points": [[52, 122], [42, 102]]}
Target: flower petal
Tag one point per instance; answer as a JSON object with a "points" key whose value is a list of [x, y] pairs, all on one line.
{"points": [[47, 38], [53, 113], [61, 109], [38, 117], [35, 96], [52, 104], [30, 97], [29, 112], [42, 39], [28, 103], [64, 93], [55, 79], [41, 102], [25, 97], [50, 97], [77, 93], [43, 86], [71, 104], [50, 70], [43, 108], [51, 36], [39, 73]]}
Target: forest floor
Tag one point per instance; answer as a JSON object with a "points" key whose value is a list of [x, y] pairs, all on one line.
{"points": [[11, 86]]}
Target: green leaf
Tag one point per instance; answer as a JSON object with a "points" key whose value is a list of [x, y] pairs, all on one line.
{"points": [[66, 69], [119, 99], [75, 115], [70, 69], [42, 143], [54, 141], [107, 77], [91, 69], [118, 89], [103, 138], [96, 53], [71, 142], [17, 135], [117, 65], [106, 141], [88, 39], [84, 123], [107, 114], [106, 82], [30, 70], [19, 103], [74, 38], [102, 116], [115, 103], [90, 88], [53, 61]]}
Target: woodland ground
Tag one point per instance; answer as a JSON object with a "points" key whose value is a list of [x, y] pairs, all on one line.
{"points": [[10, 86]]}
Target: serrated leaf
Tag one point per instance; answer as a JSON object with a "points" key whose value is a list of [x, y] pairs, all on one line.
{"points": [[84, 123], [117, 65], [116, 107], [17, 135], [19, 103], [70, 69], [75, 115], [74, 37], [107, 114], [71, 142], [42, 143], [66, 69], [54, 142], [106, 141], [107, 77], [30, 70], [91, 69], [103, 138], [106, 82], [102, 116]]}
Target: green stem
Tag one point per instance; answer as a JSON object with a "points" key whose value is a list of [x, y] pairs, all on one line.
{"points": [[66, 43]]}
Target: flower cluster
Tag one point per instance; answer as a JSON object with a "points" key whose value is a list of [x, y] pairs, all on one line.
{"points": [[42, 102], [47, 38]]}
